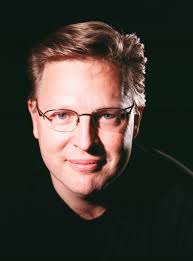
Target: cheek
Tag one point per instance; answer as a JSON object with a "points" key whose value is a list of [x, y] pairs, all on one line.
{"points": [[52, 141], [118, 149], [115, 143]]}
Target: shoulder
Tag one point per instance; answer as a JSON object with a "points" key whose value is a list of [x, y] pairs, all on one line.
{"points": [[161, 179], [168, 199], [159, 167]]}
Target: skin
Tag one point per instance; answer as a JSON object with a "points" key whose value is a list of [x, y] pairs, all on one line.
{"points": [[82, 86]]}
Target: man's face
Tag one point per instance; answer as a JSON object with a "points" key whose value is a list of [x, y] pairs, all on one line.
{"points": [[85, 159]]}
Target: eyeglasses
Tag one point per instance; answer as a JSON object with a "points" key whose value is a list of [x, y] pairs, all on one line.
{"points": [[65, 120]]}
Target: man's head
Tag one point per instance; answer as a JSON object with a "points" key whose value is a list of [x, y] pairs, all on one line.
{"points": [[84, 68]]}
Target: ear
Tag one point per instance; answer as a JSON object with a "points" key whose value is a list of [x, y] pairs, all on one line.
{"points": [[33, 112], [137, 120]]}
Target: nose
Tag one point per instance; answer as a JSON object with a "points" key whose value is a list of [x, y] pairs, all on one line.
{"points": [[85, 135]]}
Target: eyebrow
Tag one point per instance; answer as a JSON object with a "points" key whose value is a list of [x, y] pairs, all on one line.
{"points": [[98, 109], [116, 103], [68, 107]]}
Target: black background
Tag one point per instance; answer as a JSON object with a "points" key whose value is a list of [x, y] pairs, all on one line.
{"points": [[166, 28]]}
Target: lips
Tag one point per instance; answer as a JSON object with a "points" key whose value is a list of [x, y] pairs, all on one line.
{"points": [[86, 165]]}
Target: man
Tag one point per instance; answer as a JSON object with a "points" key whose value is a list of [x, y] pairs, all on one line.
{"points": [[84, 115], [96, 199]]}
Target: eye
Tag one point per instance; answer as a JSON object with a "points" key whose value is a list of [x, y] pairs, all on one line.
{"points": [[58, 115], [108, 116], [62, 115]]}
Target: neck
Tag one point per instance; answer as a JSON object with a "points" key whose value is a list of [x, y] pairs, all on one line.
{"points": [[85, 207]]}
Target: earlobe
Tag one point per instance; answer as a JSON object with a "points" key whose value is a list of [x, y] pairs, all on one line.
{"points": [[33, 112], [137, 121]]}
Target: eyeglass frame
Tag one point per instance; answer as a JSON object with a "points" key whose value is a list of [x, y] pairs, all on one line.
{"points": [[43, 114]]}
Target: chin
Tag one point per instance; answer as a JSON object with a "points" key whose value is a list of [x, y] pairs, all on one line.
{"points": [[88, 187], [83, 192]]}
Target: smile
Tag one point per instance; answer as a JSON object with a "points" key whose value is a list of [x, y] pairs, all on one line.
{"points": [[87, 165]]}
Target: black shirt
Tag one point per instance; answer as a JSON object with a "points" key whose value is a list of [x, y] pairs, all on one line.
{"points": [[149, 215]]}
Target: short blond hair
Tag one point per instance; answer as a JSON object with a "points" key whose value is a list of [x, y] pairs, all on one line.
{"points": [[98, 40]]}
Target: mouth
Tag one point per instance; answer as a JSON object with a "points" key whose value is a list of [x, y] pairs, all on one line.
{"points": [[86, 165]]}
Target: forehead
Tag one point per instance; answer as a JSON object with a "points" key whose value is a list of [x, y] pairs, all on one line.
{"points": [[72, 81]]}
